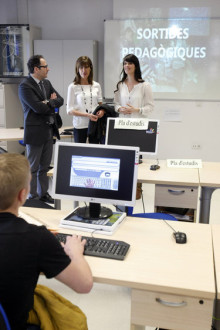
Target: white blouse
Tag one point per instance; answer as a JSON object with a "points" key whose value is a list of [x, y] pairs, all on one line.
{"points": [[140, 96], [83, 98]]}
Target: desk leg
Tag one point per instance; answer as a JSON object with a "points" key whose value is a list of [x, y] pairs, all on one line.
{"points": [[216, 317], [57, 204], [205, 203], [75, 204], [137, 327]]}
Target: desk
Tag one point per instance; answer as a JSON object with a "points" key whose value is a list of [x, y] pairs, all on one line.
{"points": [[209, 177], [15, 134], [174, 187], [157, 269], [167, 175], [11, 134]]}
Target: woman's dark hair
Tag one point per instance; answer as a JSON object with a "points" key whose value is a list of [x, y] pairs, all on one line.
{"points": [[33, 62], [131, 58], [83, 61]]}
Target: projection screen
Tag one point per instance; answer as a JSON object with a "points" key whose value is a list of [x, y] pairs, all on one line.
{"points": [[179, 57]]}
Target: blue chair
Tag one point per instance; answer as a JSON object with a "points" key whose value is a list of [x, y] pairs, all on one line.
{"points": [[162, 216], [21, 142], [4, 323]]}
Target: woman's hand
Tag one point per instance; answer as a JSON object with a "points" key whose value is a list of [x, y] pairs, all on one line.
{"points": [[93, 117], [128, 109], [100, 113]]}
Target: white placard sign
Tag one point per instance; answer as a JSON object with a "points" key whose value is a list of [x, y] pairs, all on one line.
{"points": [[131, 123], [184, 163]]}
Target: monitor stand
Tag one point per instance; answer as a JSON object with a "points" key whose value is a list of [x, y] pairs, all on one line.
{"points": [[93, 212]]}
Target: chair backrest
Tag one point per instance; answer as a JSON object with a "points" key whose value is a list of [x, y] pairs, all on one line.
{"points": [[159, 215], [4, 323]]}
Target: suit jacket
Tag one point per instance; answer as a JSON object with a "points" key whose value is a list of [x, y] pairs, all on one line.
{"points": [[37, 115]]}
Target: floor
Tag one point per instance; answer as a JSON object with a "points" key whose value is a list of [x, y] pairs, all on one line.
{"points": [[107, 307]]}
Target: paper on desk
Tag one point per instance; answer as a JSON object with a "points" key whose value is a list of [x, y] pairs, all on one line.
{"points": [[184, 163], [29, 219]]}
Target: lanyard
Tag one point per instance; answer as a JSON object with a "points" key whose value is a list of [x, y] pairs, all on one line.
{"points": [[84, 96]]}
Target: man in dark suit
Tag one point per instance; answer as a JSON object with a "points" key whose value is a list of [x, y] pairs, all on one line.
{"points": [[39, 100]]}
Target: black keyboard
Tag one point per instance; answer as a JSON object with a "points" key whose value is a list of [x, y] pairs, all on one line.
{"points": [[101, 247]]}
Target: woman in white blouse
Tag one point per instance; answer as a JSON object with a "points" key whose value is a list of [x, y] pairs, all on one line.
{"points": [[83, 96], [133, 96]]}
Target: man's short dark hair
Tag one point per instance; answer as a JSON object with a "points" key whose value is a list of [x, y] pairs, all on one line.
{"points": [[33, 61]]}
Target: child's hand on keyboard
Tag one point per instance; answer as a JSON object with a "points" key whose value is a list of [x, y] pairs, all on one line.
{"points": [[74, 246]]}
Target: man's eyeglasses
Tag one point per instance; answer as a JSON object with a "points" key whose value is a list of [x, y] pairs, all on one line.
{"points": [[43, 66]]}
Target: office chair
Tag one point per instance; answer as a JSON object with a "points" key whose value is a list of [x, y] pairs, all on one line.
{"points": [[4, 323], [156, 215], [21, 142]]}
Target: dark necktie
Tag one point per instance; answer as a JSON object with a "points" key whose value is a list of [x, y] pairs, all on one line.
{"points": [[50, 118], [43, 89]]}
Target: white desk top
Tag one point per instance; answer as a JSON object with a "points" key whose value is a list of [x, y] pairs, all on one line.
{"points": [[15, 134], [11, 134], [154, 262], [167, 175], [210, 174]]}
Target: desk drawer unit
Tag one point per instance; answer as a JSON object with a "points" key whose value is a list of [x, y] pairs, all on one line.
{"points": [[176, 196], [170, 311]]}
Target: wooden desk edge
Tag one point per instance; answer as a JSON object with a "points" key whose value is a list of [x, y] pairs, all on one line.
{"points": [[199, 293]]}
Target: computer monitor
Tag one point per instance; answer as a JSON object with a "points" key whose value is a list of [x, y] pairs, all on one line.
{"points": [[96, 174], [145, 139]]}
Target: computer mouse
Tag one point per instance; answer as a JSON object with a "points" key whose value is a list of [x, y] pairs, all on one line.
{"points": [[154, 167], [180, 237]]}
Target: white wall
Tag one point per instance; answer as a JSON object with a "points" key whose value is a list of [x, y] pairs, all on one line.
{"points": [[8, 12], [73, 20], [199, 125], [123, 9], [62, 19], [83, 20]]}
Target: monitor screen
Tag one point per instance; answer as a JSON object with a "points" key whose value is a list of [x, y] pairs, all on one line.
{"points": [[96, 174], [145, 139]]}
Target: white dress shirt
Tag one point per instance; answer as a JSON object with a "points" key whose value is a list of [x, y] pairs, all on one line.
{"points": [[140, 97], [83, 98]]}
